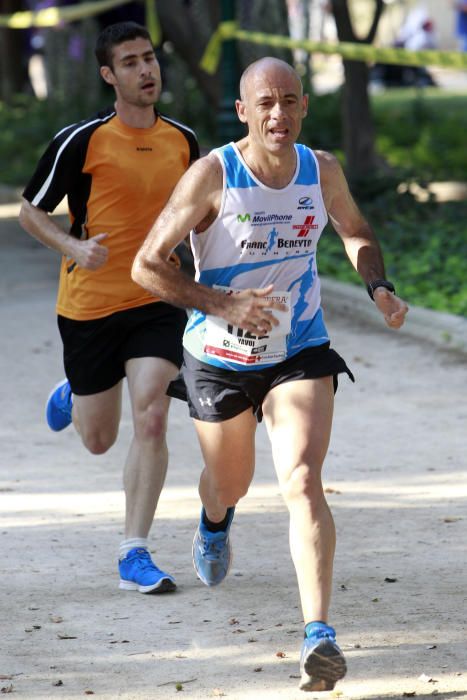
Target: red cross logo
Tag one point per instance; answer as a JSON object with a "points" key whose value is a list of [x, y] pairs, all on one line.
{"points": [[306, 226]]}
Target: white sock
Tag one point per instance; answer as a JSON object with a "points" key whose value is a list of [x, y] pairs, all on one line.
{"points": [[126, 545]]}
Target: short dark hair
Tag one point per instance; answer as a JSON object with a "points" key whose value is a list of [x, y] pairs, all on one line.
{"points": [[116, 34]]}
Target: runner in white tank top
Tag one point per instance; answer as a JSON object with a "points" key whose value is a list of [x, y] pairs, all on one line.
{"points": [[257, 208], [261, 236]]}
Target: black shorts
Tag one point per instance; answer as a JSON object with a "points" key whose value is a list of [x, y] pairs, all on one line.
{"points": [[95, 352], [214, 394]]}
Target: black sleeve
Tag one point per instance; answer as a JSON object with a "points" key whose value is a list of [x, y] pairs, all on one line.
{"points": [[59, 168], [194, 146], [188, 133]]}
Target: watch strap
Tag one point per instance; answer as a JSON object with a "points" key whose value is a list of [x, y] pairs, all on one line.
{"points": [[379, 283]]}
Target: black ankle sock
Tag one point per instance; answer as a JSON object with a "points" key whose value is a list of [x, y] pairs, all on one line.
{"points": [[216, 527]]}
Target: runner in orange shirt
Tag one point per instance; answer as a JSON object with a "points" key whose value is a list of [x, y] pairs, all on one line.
{"points": [[117, 170]]}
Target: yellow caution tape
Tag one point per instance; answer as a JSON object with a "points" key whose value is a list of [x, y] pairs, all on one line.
{"points": [[212, 53], [152, 22], [51, 16], [349, 51]]}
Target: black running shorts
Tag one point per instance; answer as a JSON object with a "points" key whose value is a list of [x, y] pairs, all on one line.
{"points": [[95, 352], [214, 394]]}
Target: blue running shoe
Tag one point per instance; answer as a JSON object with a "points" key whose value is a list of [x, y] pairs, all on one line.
{"points": [[59, 405], [322, 663], [212, 554], [139, 573]]}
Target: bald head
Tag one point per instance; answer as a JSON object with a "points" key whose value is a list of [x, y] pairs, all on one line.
{"points": [[272, 104], [268, 69]]}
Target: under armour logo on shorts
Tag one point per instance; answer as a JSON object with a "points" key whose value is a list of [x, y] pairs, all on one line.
{"points": [[205, 402]]}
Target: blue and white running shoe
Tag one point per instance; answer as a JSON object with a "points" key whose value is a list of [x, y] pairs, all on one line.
{"points": [[59, 405], [212, 554], [139, 573], [322, 663]]}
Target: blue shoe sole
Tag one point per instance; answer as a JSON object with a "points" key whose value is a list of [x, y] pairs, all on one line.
{"points": [[165, 585], [56, 419], [324, 666]]}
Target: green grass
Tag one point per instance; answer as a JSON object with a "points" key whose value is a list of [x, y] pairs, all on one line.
{"points": [[424, 246], [422, 133]]}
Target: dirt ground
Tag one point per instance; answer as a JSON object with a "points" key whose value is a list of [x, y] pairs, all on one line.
{"points": [[397, 485]]}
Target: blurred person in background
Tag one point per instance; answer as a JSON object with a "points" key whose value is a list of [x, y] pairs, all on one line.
{"points": [[460, 7]]}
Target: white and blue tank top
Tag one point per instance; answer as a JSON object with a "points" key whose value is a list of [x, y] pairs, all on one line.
{"points": [[261, 236]]}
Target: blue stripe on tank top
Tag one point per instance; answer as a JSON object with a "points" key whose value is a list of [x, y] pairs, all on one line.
{"points": [[224, 275], [236, 174], [308, 174]]}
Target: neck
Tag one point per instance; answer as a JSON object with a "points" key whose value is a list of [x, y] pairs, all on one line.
{"points": [[134, 116], [272, 169]]}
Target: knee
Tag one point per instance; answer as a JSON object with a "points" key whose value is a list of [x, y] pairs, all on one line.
{"points": [[228, 495], [151, 423], [97, 442], [303, 484]]}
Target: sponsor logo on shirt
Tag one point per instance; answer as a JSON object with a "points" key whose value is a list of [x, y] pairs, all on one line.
{"points": [[304, 229], [261, 218], [276, 244], [305, 203]]}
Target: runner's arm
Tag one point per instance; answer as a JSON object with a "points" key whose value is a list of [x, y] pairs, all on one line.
{"points": [[195, 204], [89, 253], [360, 243]]}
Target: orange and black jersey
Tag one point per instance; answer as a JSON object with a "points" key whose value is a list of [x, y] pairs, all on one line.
{"points": [[117, 179]]}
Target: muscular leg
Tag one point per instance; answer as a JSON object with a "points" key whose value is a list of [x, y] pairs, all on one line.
{"points": [[96, 418], [298, 417], [228, 450], [146, 463]]}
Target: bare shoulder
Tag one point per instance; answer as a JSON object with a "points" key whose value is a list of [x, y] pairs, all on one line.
{"points": [[195, 199], [332, 178], [205, 172], [329, 165]]}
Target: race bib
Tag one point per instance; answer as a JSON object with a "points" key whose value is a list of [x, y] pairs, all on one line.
{"points": [[237, 345]]}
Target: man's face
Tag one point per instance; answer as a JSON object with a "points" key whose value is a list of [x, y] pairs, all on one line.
{"points": [[273, 106], [135, 73]]}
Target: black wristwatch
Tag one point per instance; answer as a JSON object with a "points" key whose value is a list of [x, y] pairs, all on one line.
{"points": [[379, 283]]}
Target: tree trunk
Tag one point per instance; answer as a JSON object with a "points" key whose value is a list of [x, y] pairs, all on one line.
{"points": [[358, 129], [357, 123], [13, 55], [189, 35], [190, 25]]}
